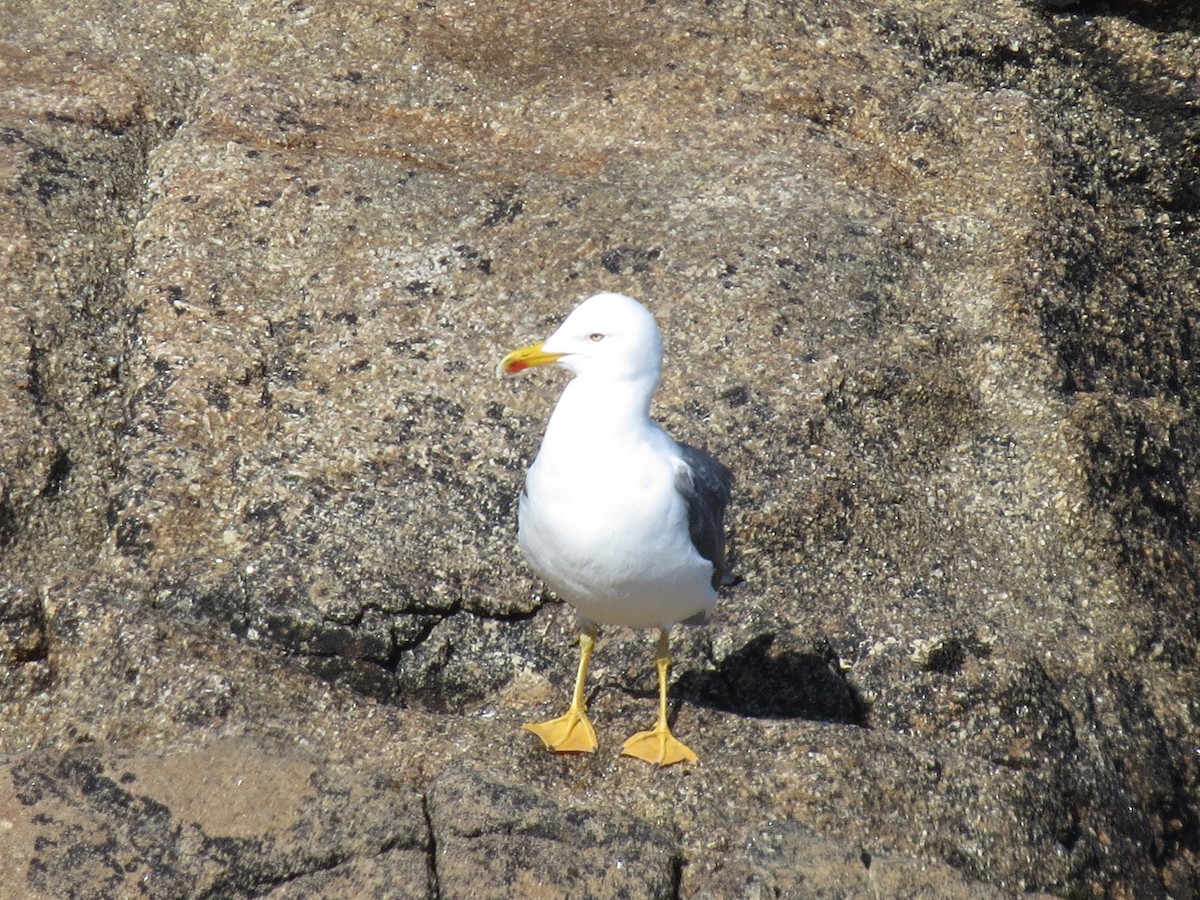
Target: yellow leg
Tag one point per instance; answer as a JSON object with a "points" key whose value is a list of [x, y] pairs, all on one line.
{"points": [[658, 745], [572, 732]]}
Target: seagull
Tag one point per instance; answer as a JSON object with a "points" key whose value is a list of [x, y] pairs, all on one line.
{"points": [[618, 519]]}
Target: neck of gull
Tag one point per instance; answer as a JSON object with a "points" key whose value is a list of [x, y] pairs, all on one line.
{"points": [[591, 407]]}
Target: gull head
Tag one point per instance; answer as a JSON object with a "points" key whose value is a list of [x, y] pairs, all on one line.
{"points": [[608, 336]]}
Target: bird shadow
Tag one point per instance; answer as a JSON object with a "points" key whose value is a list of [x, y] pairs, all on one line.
{"points": [[767, 679]]}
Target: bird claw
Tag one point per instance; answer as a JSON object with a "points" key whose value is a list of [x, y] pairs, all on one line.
{"points": [[569, 733], [658, 746]]}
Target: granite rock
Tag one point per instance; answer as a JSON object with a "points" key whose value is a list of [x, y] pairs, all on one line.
{"points": [[926, 275]]}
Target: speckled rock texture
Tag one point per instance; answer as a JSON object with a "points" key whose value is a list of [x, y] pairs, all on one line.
{"points": [[927, 274]]}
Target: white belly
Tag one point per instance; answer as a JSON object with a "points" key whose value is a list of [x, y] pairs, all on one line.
{"points": [[609, 535]]}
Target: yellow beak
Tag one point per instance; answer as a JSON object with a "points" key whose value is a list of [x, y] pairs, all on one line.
{"points": [[526, 357]]}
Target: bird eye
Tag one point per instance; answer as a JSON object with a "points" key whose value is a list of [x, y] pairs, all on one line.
{"points": [[595, 337]]}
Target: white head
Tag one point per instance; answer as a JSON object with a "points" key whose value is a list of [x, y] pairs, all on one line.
{"points": [[607, 336]]}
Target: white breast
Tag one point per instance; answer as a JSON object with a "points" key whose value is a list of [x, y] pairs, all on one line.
{"points": [[604, 526]]}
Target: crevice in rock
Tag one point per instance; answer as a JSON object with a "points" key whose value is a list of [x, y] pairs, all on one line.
{"points": [[435, 889], [677, 864], [345, 652], [56, 477], [24, 637], [8, 521]]}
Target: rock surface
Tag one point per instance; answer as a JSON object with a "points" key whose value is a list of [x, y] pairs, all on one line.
{"points": [[927, 277]]}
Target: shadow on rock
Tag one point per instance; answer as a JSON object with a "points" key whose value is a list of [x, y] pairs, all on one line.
{"points": [[770, 678]]}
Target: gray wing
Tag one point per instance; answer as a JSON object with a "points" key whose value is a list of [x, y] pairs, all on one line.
{"points": [[706, 486]]}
